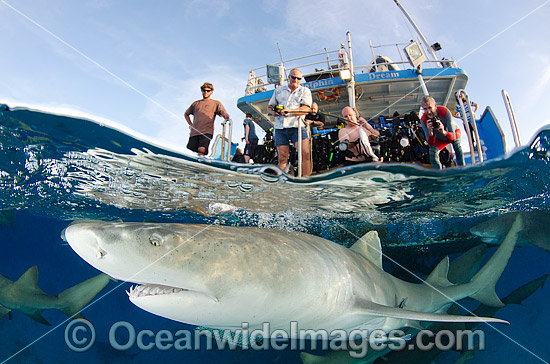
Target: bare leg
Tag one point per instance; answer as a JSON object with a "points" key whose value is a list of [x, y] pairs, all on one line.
{"points": [[306, 157], [282, 152]]}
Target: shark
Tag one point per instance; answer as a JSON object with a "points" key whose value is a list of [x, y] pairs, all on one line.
{"points": [[461, 270], [223, 276], [418, 356], [24, 295], [533, 233]]}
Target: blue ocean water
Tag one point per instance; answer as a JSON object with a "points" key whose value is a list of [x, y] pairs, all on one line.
{"points": [[56, 169]]}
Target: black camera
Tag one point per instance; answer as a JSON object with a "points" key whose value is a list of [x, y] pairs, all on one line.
{"points": [[435, 122]]}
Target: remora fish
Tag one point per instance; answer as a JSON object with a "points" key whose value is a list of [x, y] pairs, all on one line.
{"points": [[534, 228], [24, 295], [222, 277]]}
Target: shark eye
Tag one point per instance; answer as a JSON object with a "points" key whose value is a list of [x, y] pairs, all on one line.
{"points": [[155, 239]]}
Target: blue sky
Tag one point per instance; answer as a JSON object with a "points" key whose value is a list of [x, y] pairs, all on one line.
{"points": [[140, 63]]}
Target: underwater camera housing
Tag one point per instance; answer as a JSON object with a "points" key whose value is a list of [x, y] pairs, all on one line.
{"points": [[343, 145]]}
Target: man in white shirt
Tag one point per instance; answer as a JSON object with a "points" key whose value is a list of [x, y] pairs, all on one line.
{"points": [[290, 104]]}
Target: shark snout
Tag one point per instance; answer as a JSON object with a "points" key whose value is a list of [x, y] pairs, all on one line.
{"points": [[84, 242]]}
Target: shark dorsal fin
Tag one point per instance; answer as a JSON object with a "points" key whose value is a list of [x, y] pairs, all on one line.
{"points": [[369, 247], [29, 280], [438, 277]]}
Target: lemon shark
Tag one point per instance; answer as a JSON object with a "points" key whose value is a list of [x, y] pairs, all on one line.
{"points": [[25, 295], [222, 277], [533, 232]]}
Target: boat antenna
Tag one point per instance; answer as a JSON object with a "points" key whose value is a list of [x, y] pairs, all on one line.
{"points": [[424, 40], [282, 60]]}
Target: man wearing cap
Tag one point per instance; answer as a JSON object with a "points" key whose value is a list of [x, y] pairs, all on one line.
{"points": [[290, 104], [204, 112]]}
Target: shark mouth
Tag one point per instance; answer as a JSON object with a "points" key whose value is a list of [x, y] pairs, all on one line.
{"points": [[152, 290]]}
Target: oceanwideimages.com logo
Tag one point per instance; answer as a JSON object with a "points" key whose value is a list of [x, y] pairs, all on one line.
{"points": [[80, 336]]}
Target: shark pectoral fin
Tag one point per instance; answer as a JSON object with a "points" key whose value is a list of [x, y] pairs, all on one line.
{"points": [[76, 297], [38, 318], [438, 277], [369, 247], [371, 308], [28, 280]]}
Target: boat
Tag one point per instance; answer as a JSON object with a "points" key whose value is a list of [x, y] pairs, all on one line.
{"points": [[385, 92]]}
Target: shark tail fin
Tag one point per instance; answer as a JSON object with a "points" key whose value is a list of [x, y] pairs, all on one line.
{"points": [[485, 280], [75, 298]]}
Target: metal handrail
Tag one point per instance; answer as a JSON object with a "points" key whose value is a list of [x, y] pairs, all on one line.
{"points": [[223, 156], [461, 93], [334, 62], [512, 117]]}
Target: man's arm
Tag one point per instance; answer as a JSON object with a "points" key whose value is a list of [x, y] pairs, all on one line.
{"points": [[305, 104], [367, 126], [343, 135], [271, 105], [188, 112], [222, 112], [303, 109]]}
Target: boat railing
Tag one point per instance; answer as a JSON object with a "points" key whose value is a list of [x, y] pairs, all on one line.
{"points": [[467, 113], [330, 63], [312, 66], [511, 117]]}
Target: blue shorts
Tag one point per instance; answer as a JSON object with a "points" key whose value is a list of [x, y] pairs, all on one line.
{"points": [[283, 136]]}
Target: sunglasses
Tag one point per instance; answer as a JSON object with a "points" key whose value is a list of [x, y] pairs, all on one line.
{"points": [[205, 90], [295, 77]]}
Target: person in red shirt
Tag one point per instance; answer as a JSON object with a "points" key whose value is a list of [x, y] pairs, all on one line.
{"points": [[440, 131]]}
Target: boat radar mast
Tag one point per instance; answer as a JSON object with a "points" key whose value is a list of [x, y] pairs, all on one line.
{"points": [[424, 40]]}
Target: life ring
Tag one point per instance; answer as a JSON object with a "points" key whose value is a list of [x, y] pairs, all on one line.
{"points": [[329, 95]]}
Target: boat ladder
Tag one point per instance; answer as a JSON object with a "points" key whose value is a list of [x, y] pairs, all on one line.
{"points": [[512, 117], [462, 94]]}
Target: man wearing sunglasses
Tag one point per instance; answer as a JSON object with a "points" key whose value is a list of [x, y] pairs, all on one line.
{"points": [[290, 104], [204, 112]]}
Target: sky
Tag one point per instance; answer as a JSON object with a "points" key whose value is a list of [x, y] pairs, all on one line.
{"points": [[139, 64]]}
